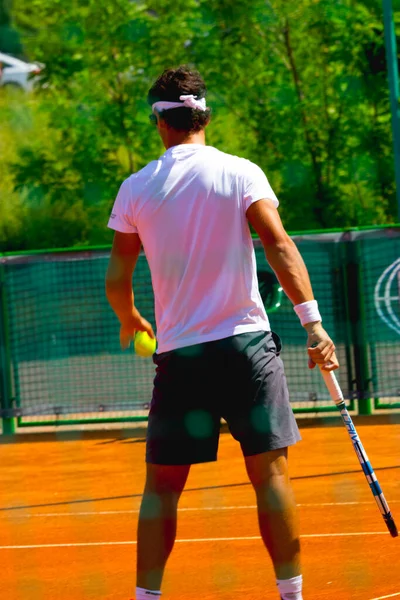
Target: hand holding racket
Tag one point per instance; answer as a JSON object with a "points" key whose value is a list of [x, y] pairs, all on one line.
{"points": [[320, 348], [337, 397]]}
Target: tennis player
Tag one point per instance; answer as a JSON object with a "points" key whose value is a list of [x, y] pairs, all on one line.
{"points": [[216, 356]]}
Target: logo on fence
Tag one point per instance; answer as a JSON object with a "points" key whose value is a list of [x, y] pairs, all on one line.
{"points": [[387, 296]]}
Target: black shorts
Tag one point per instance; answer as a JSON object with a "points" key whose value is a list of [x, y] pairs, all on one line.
{"points": [[240, 379]]}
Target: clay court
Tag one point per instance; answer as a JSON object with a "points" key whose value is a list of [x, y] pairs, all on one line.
{"points": [[69, 509]]}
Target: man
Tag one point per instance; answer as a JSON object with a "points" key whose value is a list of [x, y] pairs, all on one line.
{"points": [[216, 355]]}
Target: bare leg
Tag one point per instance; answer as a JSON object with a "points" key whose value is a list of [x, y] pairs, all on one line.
{"points": [[277, 513], [157, 522]]}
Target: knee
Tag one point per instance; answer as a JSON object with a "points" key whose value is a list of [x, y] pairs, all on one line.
{"points": [[276, 495], [268, 469], [165, 480], [158, 505], [162, 491]]}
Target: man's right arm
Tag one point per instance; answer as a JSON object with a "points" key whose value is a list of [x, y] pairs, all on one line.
{"points": [[291, 271]]}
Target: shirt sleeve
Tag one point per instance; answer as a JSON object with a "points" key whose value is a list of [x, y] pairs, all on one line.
{"points": [[120, 218], [256, 186]]}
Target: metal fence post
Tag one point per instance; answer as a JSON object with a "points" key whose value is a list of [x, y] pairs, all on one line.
{"points": [[8, 421], [394, 90], [348, 333], [356, 309]]}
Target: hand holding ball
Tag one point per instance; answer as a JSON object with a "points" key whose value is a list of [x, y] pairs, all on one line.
{"points": [[144, 345]]}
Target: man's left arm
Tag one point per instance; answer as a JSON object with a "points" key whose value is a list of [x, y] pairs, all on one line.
{"points": [[119, 291]]}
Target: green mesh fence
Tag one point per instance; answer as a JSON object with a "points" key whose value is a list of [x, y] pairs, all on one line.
{"points": [[60, 356], [381, 313], [64, 338]]}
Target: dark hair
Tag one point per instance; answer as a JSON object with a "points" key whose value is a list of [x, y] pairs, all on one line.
{"points": [[173, 83]]}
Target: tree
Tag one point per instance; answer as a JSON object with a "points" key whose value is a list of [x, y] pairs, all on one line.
{"points": [[100, 60], [297, 86], [312, 90]]}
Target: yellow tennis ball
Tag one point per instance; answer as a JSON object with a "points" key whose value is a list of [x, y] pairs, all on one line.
{"points": [[144, 345]]}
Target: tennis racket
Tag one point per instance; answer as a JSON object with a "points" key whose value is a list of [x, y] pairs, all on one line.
{"points": [[337, 397]]}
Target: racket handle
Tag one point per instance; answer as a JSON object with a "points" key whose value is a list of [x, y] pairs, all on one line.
{"points": [[333, 386]]}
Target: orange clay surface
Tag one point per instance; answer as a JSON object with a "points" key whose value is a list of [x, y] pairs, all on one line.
{"points": [[69, 508]]}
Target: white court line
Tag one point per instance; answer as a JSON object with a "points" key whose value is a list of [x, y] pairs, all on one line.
{"points": [[188, 509], [185, 541], [121, 512], [390, 596]]}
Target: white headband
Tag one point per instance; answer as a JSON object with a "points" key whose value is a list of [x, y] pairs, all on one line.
{"points": [[189, 101]]}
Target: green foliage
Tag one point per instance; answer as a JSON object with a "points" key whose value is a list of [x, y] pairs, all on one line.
{"points": [[297, 86], [311, 81]]}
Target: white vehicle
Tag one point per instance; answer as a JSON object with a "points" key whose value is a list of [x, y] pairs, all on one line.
{"points": [[17, 73]]}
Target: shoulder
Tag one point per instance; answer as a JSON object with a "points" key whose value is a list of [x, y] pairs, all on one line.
{"points": [[240, 164], [250, 168], [136, 180], [237, 163], [145, 172], [220, 155]]}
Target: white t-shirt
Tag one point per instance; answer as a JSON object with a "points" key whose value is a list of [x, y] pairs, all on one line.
{"points": [[189, 209]]}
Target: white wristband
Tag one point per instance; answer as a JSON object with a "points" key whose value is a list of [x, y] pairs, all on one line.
{"points": [[308, 312]]}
